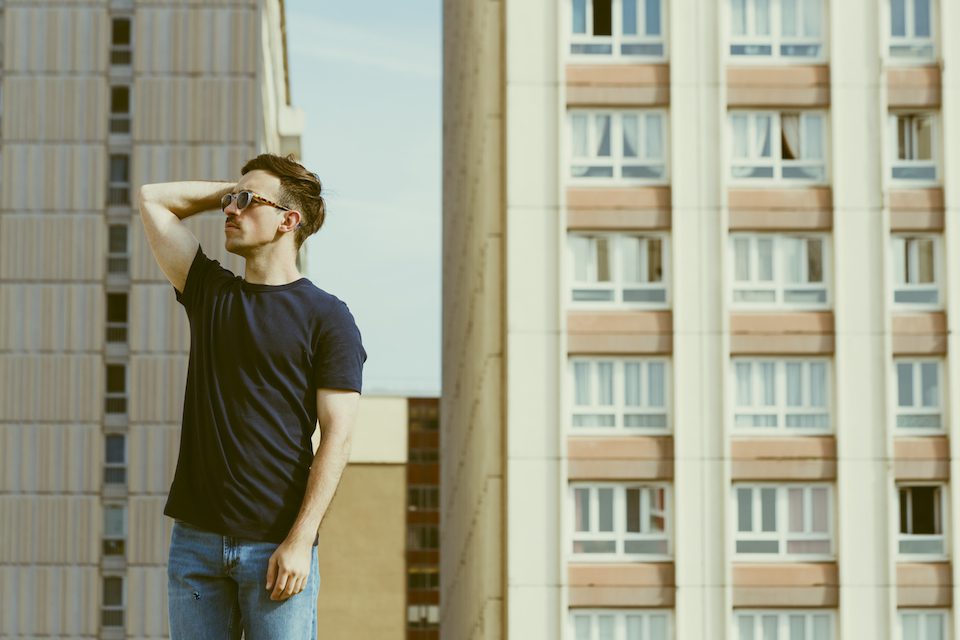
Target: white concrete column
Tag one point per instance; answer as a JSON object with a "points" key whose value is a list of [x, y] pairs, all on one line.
{"points": [[950, 141], [700, 348], [535, 348], [862, 321]]}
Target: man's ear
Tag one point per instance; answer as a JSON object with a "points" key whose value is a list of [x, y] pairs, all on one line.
{"points": [[299, 221]]}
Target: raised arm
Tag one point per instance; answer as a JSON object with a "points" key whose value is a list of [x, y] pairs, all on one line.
{"points": [[163, 206]]}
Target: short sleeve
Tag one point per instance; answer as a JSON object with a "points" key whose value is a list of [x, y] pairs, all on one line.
{"points": [[199, 279], [339, 354]]}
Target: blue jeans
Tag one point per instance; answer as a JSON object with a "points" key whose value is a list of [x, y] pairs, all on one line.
{"points": [[216, 588]]}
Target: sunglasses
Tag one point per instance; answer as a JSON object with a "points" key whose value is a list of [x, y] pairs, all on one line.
{"points": [[244, 198]]}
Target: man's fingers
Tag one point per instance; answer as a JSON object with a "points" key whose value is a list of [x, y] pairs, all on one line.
{"points": [[281, 584], [271, 571]]}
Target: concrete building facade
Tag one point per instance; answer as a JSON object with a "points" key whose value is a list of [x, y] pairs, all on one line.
{"points": [[698, 298]]}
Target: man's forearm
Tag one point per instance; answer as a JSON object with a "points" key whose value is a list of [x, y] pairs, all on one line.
{"points": [[186, 198], [325, 473]]}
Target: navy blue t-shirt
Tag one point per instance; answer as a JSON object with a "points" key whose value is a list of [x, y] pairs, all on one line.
{"points": [[258, 354]]}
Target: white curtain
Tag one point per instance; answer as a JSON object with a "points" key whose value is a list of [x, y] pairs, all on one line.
{"points": [[631, 382], [811, 18], [765, 259], [630, 259], [602, 124], [790, 138], [762, 147], [738, 17], [605, 375], [818, 384], [744, 391], [794, 384], [578, 135], [767, 382], [762, 17], [738, 124], [653, 135], [581, 383], [631, 136], [605, 627], [741, 259], [788, 17], [580, 247]]}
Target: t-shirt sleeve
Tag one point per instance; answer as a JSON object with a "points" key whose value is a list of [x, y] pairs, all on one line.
{"points": [[339, 355], [199, 282]]}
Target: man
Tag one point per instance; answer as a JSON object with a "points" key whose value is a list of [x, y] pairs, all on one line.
{"points": [[271, 354]]}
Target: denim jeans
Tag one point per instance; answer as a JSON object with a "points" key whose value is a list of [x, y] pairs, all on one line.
{"points": [[216, 589]]}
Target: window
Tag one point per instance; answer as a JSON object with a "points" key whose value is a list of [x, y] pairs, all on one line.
{"points": [[618, 395], [921, 521], [919, 395], [618, 146], [911, 30], [120, 109], [617, 270], [779, 271], [916, 272], [111, 614], [116, 398], [914, 152], [783, 146], [922, 624], [118, 189], [617, 28], [783, 521], [784, 396], [115, 468], [423, 537], [616, 521], [116, 317], [424, 456], [611, 624], [423, 577], [114, 529], [786, 625], [423, 498], [121, 52], [422, 616], [776, 29], [118, 262]]}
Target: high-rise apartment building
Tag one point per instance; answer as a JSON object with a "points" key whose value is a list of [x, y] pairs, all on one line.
{"points": [[99, 98], [699, 344]]}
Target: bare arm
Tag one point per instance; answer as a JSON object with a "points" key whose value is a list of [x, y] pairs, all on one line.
{"points": [[163, 206], [290, 563]]}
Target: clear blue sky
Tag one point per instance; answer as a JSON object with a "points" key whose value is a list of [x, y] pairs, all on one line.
{"points": [[367, 75]]}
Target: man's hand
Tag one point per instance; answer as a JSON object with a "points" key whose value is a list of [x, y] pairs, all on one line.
{"points": [[289, 569]]}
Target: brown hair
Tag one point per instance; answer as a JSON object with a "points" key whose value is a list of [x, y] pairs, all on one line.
{"points": [[300, 189]]}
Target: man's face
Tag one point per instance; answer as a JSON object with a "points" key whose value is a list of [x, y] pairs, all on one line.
{"points": [[258, 223]]}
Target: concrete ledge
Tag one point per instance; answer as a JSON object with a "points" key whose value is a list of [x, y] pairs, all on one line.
{"points": [[916, 209], [924, 585], [626, 85], [784, 458], [799, 333], [621, 585], [619, 332], [785, 585], [618, 208], [921, 458], [919, 333], [778, 86], [809, 209], [620, 458], [913, 87]]}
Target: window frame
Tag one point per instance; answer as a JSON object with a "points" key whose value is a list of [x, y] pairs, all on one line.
{"points": [[924, 613], [113, 608], [619, 407], [783, 621], [898, 276], [781, 524], [894, 162], [617, 283], [617, 38], [776, 39], [620, 621], [116, 51], [892, 41], [776, 163], [108, 465], [616, 158], [619, 533], [779, 284], [781, 410], [124, 533], [916, 363], [943, 517], [117, 119]]}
